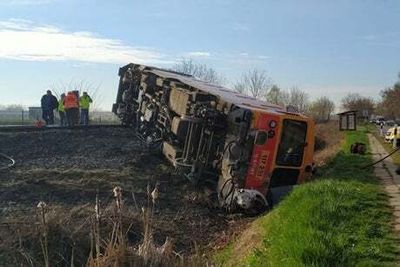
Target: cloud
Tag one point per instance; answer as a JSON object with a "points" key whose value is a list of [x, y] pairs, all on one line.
{"points": [[25, 2], [199, 54], [385, 39], [369, 37], [250, 57], [24, 40], [241, 27]]}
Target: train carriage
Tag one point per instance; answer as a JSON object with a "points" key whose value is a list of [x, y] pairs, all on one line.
{"points": [[206, 131]]}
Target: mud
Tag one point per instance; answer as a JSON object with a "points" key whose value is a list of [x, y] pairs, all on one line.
{"points": [[67, 168]]}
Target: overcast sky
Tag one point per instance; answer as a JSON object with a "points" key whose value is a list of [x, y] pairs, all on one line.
{"points": [[327, 48]]}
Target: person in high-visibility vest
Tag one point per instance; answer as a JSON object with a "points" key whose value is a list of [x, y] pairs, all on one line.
{"points": [[71, 106], [84, 104], [61, 111]]}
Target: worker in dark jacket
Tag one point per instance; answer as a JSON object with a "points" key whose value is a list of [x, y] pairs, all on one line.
{"points": [[48, 103]]}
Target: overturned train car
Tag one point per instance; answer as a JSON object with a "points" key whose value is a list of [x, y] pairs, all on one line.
{"points": [[207, 132]]}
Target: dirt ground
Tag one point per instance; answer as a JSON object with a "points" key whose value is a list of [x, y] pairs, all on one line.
{"points": [[67, 168]]}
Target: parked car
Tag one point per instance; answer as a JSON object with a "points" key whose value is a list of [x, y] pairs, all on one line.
{"points": [[379, 121], [391, 133], [390, 123]]}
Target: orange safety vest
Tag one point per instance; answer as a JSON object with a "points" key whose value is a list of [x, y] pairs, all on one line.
{"points": [[71, 101]]}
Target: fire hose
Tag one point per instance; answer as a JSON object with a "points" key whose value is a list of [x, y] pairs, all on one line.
{"points": [[382, 159], [9, 159]]}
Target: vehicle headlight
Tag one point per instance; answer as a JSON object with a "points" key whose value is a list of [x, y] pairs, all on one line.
{"points": [[272, 124]]}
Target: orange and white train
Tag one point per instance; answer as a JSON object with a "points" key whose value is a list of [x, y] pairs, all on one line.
{"points": [[247, 146]]}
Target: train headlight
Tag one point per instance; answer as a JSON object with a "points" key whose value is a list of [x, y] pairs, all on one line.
{"points": [[272, 124], [271, 134]]}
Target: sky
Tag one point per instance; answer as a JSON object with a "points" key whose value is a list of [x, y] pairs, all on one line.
{"points": [[326, 48]]}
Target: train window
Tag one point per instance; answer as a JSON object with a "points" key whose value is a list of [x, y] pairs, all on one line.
{"points": [[293, 141], [261, 138]]}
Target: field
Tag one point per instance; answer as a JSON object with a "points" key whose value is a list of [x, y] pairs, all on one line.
{"points": [[67, 169], [24, 117]]}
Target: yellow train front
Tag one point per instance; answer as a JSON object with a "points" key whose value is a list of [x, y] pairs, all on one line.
{"points": [[275, 153], [250, 148]]}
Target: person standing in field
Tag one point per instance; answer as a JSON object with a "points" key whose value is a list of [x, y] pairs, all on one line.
{"points": [[84, 104], [71, 106], [61, 111], [48, 103]]}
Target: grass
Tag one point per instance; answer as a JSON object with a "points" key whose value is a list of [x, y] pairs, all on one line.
{"points": [[341, 219]]}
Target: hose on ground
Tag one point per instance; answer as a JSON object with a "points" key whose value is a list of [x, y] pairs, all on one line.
{"points": [[230, 192], [8, 158], [382, 159]]}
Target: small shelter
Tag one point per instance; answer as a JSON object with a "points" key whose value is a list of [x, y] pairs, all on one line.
{"points": [[348, 120]]}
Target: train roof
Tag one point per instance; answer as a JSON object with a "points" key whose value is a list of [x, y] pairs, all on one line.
{"points": [[228, 95]]}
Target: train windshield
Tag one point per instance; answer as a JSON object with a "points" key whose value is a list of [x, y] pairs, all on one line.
{"points": [[293, 141]]}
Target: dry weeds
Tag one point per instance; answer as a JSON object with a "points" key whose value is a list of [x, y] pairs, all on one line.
{"points": [[328, 142]]}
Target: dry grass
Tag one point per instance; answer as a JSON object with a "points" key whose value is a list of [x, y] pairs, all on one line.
{"points": [[103, 237], [239, 247], [328, 141]]}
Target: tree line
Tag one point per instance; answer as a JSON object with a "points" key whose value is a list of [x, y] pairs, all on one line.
{"points": [[258, 84], [387, 105]]}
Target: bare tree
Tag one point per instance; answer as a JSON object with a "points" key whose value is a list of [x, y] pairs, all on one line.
{"points": [[255, 83], [200, 71], [240, 87], [277, 96], [82, 86], [322, 109], [390, 99], [364, 105], [299, 99]]}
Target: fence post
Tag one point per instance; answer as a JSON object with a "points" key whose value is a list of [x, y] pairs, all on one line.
{"points": [[22, 117]]}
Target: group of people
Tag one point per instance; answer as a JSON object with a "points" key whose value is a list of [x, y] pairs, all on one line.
{"points": [[69, 107]]}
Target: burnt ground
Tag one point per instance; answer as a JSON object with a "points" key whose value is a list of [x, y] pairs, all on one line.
{"points": [[67, 168]]}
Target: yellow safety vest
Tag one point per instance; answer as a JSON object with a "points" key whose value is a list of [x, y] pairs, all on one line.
{"points": [[84, 102], [61, 106]]}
